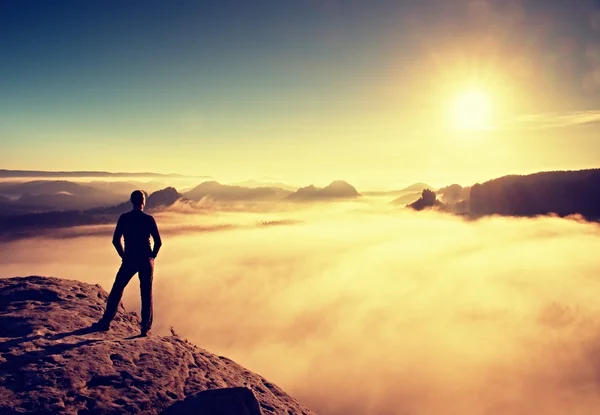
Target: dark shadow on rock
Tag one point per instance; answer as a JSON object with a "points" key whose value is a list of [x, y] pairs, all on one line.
{"points": [[137, 336], [5, 326], [226, 401], [78, 332], [4, 346], [5, 410], [14, 326]]}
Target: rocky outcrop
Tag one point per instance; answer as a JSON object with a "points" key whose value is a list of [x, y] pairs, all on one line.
{"points": [[426, 201], [160, 199], [51, 363], [305, 193], [163, 198]]}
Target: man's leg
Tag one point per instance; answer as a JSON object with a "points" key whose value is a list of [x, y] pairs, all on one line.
{"points": [[146, 274], [124, 275]]}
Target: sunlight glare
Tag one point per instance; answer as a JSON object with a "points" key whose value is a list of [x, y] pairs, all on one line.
{"points": [[472, 110]]}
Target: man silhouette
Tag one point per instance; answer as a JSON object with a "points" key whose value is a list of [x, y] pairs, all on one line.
{"points": [[135, 227]]}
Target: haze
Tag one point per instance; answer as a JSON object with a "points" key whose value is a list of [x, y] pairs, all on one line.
{"points": [[357, 309]]}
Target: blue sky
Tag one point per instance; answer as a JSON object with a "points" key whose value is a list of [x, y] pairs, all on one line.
{"points": [[300, 90]]}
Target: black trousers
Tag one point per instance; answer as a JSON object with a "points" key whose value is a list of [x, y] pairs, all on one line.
{"points": [[145, 270]]}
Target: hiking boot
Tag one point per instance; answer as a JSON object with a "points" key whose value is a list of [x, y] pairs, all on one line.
{"points": [[100, 326]]}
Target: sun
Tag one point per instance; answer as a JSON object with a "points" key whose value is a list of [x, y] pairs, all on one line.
{"points": [[471, 110]]}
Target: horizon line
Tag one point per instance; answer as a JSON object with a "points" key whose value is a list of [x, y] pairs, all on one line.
{"points": [[10, 173]]}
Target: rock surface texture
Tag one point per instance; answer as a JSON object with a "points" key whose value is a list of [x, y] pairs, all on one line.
{"points": [[51, 363]]}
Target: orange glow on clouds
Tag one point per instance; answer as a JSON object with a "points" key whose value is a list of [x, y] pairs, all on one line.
{"points": [[361, 311]]}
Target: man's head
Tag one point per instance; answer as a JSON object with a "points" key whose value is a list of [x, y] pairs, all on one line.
{"points": [[138, 199]]}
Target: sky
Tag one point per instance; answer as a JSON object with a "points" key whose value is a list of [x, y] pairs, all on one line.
{"points": [[378, 93]]}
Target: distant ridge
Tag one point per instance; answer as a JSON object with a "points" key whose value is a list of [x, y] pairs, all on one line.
{"points": [[19, 224], [417, 187], [407, 199], [218, 191], [156, 200], [263, 182], [338, 189], [562, 193], [413, 188], [4, 173]]}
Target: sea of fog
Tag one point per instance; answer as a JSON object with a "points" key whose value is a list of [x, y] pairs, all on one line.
{"points": [[359, 309]]}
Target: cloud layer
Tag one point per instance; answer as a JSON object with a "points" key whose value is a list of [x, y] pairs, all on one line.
{"points": [[555, 120], [358, 311]]}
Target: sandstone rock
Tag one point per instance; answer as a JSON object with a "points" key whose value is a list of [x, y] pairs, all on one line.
{"points": [[51, 364]]}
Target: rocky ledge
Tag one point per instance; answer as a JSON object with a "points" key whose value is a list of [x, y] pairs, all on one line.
{"points": [[51, 363]]}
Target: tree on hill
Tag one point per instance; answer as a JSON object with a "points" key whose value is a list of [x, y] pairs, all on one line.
{"points": [[559, 192]]}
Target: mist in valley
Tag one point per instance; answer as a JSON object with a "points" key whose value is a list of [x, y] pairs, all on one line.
{"points": [[357, 308]]}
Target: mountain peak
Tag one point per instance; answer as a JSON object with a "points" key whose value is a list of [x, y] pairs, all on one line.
{"points": [[164, 197], [338, 189]]}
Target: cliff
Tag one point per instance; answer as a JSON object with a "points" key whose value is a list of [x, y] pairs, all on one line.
{"points": [[51, 363]]}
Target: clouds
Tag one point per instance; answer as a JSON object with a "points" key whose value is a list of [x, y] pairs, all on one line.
{"points": [[554, 120], [382, 311]]}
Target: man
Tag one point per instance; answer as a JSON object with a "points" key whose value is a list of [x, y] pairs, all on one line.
{"points": [[135, 227]]}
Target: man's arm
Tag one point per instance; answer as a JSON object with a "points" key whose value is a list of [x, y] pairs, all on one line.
{"points": [[117, 238], [155, 238]]}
